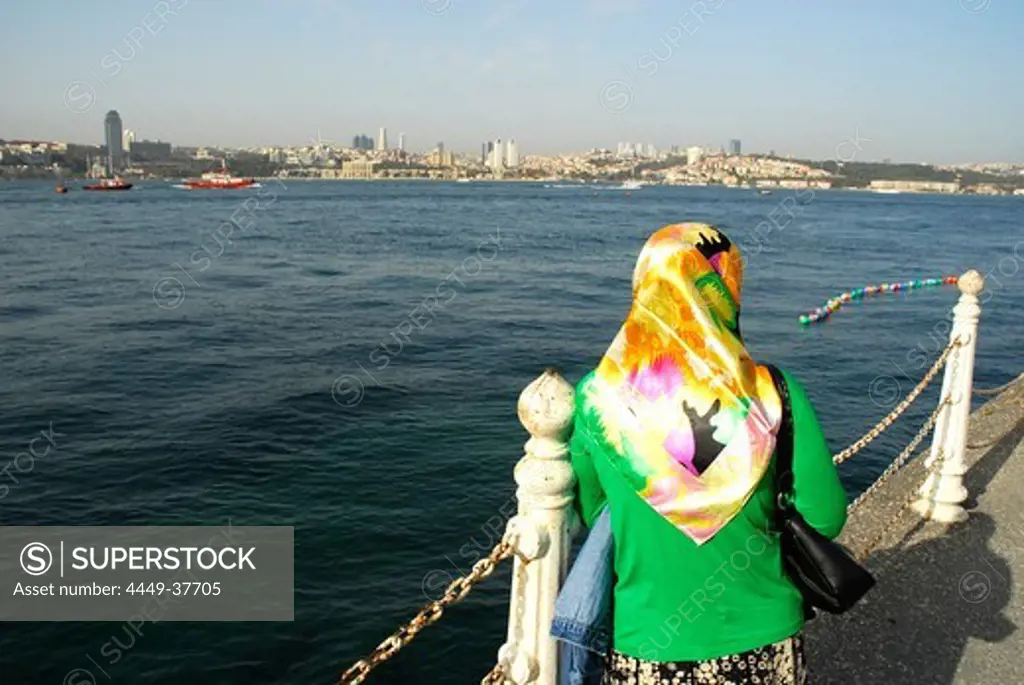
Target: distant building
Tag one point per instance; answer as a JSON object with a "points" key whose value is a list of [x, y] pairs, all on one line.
{"points": [[127, 138], [914, 186], [361, 142], [511, 154], [693, 155], [149, 150], [401, 141], [496, 157], [382, 139], [203, 153], [441, 157], [357, 168], [735, 148], [114, 133]]}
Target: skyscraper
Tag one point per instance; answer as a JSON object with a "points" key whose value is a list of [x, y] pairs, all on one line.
{"points": [[401, 141], [693, 154], [115, 147], [382, 139], [441, 157], [511, 154], [127, 141], [734, 147], [497, 156]]}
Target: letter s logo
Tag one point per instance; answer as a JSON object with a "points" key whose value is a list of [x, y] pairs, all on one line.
{"points": [[36, 559], [79, 97]]}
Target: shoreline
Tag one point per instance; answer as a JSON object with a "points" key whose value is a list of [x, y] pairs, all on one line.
{"points": [[774, 190]]}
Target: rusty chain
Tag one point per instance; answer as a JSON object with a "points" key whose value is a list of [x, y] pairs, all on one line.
{"points": [[996, 390], [456, 591], [904, 456], [887, 528], [495, 677], [901, 460], [899, 408]]}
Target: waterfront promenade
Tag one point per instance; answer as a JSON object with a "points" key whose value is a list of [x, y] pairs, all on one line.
{"points": [[948, 604]]}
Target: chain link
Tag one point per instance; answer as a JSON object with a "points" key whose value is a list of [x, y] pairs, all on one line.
{"points": [[888, 527], [495, 677], [901, 460], [456, 591], [904, 456], [997, 390], [901, 407]]}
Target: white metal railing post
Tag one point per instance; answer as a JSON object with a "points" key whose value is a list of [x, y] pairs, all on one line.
{"points": [[943, 492], [541, 529]]}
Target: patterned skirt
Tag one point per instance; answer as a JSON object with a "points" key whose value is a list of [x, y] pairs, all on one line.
{"points": [[781, 663]]}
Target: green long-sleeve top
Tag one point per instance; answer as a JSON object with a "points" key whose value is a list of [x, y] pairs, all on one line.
{"points": [[675, 601]]}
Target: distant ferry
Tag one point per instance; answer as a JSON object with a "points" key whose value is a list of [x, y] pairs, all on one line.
{"points": [[218, 180], [116, 183], [631, 185]]}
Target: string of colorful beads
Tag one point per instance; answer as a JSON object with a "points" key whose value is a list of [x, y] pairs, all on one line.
{"points": [[836, 303]]}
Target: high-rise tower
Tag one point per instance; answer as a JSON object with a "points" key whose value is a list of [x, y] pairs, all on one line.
{"points": [[497, 156], [114, 131], [512, 154]]}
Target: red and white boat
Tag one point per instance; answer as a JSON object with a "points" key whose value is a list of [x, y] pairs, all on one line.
{"points": [[218, 180]]}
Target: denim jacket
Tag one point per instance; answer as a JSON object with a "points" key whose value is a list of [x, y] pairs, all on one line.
{"points": [[583, 616]]}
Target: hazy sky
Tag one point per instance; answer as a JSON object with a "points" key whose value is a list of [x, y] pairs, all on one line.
{"points": [[927, 80]]}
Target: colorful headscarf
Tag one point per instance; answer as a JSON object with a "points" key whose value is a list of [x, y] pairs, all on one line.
{"points": [[690, 415]]}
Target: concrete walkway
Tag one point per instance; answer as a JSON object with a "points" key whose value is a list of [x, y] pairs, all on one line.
{"points": [[947, 607]]}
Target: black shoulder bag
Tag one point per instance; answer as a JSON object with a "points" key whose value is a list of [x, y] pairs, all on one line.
{"points": [[827, 575]]}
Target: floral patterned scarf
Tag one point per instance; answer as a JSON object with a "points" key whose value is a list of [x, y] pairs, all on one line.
{"points": [[690, 415]]}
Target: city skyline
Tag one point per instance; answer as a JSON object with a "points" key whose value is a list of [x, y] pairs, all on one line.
{"points": [[924, 81]]}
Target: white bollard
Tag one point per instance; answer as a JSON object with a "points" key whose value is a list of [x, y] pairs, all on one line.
{"points": [[542, 530], [943, 491]]}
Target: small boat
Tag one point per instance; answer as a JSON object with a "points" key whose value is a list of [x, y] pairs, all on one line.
{"points": [[61, 189], [116, 183], [764, 192], [631, 185], [218, 180]]}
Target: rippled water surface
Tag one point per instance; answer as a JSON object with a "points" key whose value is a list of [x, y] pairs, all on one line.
{"points": [[191, 376]]}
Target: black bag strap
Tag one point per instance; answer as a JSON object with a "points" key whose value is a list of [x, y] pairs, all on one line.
{"points": [[783, 450]]}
